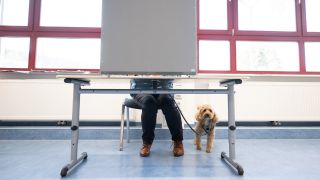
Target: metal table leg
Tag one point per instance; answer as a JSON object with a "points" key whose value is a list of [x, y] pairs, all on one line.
{"points": [[231, 132], [75, 132]]}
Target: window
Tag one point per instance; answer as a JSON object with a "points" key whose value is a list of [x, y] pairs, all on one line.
{"points": [[50, 34], [262, 37], [67, 53], [267, 15], [14, 52], [214, 55], [14, 12], [234, 36], [313, 15], [267, 56], [312, 56], [70, 13], [213, 14]]}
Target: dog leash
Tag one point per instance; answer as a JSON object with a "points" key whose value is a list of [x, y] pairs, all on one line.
{"points": [[206, 132]]}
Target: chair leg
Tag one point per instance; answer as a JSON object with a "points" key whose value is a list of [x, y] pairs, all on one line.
{"points": [[122, 128], [128, 125]]}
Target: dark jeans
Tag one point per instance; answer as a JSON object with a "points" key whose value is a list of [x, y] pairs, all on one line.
{"points": [[150, 104]]}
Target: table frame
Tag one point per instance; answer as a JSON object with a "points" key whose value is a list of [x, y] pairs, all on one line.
{"points": [[77, 91]]}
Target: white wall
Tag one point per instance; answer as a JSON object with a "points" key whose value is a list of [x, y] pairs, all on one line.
{"points": [[52, 100], [255, 100]]}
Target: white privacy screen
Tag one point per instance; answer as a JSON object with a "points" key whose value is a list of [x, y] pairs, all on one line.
{"points": [[149, 37]]}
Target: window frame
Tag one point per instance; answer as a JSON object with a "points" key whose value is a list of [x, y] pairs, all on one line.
{"points": [[300, 36], [35, 31]]}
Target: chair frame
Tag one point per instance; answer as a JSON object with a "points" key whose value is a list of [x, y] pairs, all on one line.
{"points": [[124, 109]]}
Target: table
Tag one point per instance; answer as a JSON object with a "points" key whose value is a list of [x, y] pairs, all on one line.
{"points": [[77, 91]]}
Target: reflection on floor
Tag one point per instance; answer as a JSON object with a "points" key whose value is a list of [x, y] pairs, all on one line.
{"points": [[260, 158]]}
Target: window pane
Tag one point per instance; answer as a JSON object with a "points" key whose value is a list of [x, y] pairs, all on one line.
{"points": [[71, 13], [267, 15], [267, 56], [312, 50], [213, 14], [14, 12], [214, 55], [67, 53], [14, 52], [313, 15]]}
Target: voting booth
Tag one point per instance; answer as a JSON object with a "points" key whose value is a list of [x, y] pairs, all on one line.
{"points": [[149, 37]]}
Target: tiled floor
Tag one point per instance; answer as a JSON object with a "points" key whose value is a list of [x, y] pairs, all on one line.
{"points": [[261, 159]]}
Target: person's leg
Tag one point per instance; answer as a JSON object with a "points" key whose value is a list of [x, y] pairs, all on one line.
{"points": [[148, 116], [174, 123], [172, 116]]}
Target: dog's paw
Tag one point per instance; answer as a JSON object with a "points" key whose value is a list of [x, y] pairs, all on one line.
{"points": [[199, 148], [208, 150]]}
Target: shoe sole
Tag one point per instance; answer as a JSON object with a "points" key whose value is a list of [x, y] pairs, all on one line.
{"points": [[178, 155], [145, 155]]}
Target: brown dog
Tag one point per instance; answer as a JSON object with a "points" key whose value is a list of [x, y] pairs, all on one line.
{"points": [[206, 120]]}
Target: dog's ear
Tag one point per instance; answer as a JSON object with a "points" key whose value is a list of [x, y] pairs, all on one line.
{"points": [[215, 118], [198, 114]]}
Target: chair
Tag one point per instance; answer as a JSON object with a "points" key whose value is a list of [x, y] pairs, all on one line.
{"points": [[128, 103]]}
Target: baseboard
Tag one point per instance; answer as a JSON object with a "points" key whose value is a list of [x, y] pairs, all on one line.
{"points": [[113, 133], [111, 123]]}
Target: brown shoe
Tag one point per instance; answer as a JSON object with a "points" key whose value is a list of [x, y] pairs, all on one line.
{"points": [[145, 150], [178, 148]]}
